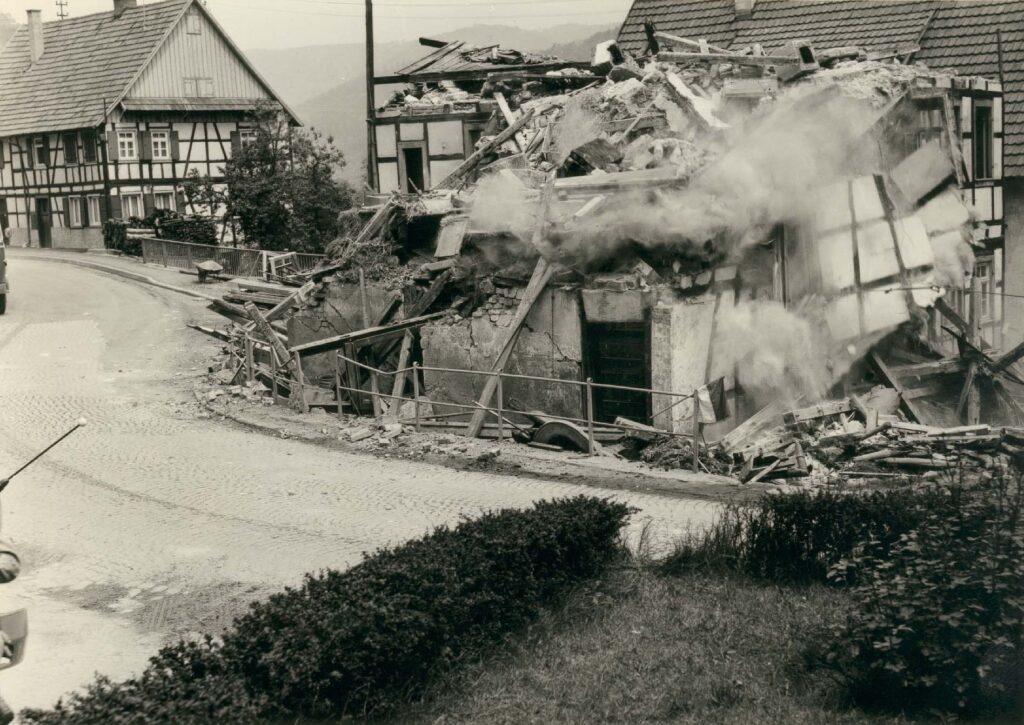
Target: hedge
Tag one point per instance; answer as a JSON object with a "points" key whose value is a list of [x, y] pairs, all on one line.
{"points": [[368, 639]]}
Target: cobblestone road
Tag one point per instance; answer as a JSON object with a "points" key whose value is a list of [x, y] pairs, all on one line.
{"points": [[151, 508]]}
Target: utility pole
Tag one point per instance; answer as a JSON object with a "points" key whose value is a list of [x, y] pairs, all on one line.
{"points": [[62, 9], [371, 131]]}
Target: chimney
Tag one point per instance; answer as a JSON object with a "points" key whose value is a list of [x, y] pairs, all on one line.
{"points": [[743, 8], [121, 5], [35, 34]]}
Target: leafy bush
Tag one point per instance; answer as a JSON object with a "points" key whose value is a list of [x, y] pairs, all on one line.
{"points": [[115, 236], [195, 229], [938, 621], [799, 537], [369, 638]]}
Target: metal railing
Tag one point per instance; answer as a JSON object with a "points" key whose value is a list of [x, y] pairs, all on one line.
{"points": [[236, 262]]}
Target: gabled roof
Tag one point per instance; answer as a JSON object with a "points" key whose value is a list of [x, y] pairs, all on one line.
{"points": [[89, 63], [958, 35]]}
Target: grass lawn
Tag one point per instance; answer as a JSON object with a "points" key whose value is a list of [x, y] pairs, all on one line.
{"points": [[640, 647]]}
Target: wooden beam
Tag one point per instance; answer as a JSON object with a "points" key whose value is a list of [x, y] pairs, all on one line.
{"points": [[403, 362], [372, 333], [466, 166], [905, 402], [938, 367], [758, 60], [692, 43], [480, 74], [263, 327]]}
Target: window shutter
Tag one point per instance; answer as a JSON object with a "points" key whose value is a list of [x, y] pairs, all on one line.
{"points": [[46, 150], [31, 155], [146, 141], [84, 202], [67, 211], [112, 147], [236, 144], [148, 204], [175, 148], [103, 209], [115, 208]]}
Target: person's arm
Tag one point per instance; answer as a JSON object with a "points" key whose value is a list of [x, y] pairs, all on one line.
{"points": [[10, 564]]}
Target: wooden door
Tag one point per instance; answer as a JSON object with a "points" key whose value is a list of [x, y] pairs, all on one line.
{"points": [[619, 354], [44, 221]]}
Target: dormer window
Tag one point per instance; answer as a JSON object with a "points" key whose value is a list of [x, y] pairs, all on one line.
{"points": [[193, 23]]}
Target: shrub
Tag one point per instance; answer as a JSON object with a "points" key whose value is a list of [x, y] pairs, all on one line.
{"points": [[799, 537], [195, 229], [115, 234], [938, 621], [369, 638]]}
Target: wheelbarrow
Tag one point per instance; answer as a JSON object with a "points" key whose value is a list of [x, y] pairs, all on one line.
{"points": [[206, 269]]}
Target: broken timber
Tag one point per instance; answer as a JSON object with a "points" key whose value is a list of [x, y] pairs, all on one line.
{"points": [[466, 166], [264, 328], [364, 337]]}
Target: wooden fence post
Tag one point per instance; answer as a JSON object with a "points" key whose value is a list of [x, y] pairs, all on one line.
{"points": [[501, 409], [696, 432], [416, 392], [337, 384], [303, 406], [590, 417], [250, 373]]}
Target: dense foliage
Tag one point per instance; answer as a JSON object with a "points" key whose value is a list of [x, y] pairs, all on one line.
{"points": [[367, 639], [938, 617], [935, 575], [115, 237], [194, 229], [281, 188]]}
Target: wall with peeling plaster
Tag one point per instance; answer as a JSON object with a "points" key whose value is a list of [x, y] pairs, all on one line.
{"points": [[334, 310], [550, 345]]}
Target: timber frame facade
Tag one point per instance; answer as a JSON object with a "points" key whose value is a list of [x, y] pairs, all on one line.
{"points": [[184, 108]]}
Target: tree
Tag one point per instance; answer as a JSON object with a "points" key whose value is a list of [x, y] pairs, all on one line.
{"points": [[281, 186]]}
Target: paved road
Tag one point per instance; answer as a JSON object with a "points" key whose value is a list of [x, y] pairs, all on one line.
{"points": [[153, 520]]}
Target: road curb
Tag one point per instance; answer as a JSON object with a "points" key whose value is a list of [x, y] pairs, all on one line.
{"points": [[117, 271]]}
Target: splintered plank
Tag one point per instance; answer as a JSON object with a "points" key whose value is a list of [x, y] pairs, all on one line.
{"points": [[905, 401], [263, 326], [817, 411]]}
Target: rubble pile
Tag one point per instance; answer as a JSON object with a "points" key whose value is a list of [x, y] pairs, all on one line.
{"points": [[669, 183]]}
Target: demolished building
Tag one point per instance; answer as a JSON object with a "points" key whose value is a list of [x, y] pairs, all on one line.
{"points": [[624, 243]]}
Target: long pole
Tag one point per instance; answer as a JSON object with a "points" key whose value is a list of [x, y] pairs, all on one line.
{"points": [[371, 115], [4, 482]]}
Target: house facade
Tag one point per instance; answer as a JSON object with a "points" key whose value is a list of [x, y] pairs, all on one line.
{"points": [[980, 38], [117, 139]]}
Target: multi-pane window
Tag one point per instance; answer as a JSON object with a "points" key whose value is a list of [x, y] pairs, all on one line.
{"points": [[194, 23], [198, 87], [89, 147], [131, 206], [40, 151], [94, 211], [70, 142], [982, 137], [161, 141], [75, 211], [246, 136], [986, 289], [164, 200], [126, 146]]}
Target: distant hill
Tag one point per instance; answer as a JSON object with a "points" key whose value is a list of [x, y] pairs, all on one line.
{"points": [[325, 84], [8, 26]]}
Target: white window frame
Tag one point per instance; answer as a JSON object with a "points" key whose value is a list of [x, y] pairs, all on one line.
{"points": [[127, 146], [161, 140], [190, 88], [75, 212], [39, 143], [194, 24], [126, 212], [246, 136], [94, 218], [168, 195], [204, 86], [984, 270]]}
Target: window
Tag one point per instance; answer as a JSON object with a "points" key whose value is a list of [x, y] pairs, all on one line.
{"points": [[195, 26], [75, 211], [94, 211], [164, 200], [198, 87], [986, 289], [246, 136], [70, 141], [126, 148], [41, 154], [982, 137], [131, 206], [89, 147], [161, 141]]}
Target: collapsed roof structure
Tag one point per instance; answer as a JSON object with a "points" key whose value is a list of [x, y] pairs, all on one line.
{"points": [[688, 243]]}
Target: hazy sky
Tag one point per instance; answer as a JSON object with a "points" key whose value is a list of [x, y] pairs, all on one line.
{"points": [[289, 23]]}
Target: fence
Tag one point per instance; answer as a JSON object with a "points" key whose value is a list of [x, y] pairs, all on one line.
{"points": [[236, 262], [343, 362]]}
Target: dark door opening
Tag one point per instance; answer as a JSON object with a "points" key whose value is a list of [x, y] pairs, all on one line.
{"points": [[619, 354], [43, 222], [414, 177]]}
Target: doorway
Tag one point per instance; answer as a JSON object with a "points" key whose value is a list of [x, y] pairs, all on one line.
{"points": [[620, 354], [412, 167], [44, 221]]}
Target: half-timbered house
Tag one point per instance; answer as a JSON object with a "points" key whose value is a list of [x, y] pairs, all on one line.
{"points": [[106, 115]]}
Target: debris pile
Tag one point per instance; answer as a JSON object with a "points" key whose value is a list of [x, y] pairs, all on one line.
{"points": [[703, 189]]}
